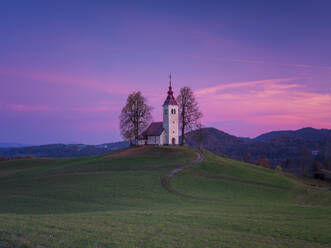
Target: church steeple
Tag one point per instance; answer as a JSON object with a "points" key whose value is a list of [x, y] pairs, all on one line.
{"points": [[170, 117], [170, 98]]}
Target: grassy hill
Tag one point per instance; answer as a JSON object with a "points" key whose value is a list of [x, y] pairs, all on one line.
{"points": [[290, 149], [117, 200]]}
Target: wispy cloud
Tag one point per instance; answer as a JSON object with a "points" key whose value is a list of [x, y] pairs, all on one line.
{"points": [[48, 108], [274, 102], [277, 63], [27, 108], [95, 109], [108, 86], [99, 126], [264, 62], [272, 82]]}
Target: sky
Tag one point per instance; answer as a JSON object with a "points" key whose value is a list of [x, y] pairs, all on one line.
{"points": [[67, 67]]}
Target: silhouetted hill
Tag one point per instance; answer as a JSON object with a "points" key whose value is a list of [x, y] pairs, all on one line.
{"points": [[12, 145], [293, 150], [213, 139], [307, 133], [62, 150]]}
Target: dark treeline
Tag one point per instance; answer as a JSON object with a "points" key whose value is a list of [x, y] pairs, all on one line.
{"points": [[302, 154]]}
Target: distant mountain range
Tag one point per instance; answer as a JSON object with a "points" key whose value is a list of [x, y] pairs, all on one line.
{"points": [[307, 133], [12, 145], [61, 150], [289, 149]]}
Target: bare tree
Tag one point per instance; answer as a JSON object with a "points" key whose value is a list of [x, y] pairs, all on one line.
{"points": [[248, 157], [127, 130], [189, 114], [327, 156], [306, 161], [264, 162], [135, 117]]}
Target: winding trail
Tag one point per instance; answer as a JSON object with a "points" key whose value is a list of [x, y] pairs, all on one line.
{"points": [[166, 179]]}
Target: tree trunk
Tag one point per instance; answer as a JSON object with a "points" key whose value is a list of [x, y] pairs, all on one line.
{"points": [[183, 136], [183, 126], [136, 134]]}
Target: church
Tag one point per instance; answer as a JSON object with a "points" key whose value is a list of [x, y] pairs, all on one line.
{"points": [[166, 132]]}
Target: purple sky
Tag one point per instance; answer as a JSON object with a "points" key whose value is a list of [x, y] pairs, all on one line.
{"points": [[66, 67]]}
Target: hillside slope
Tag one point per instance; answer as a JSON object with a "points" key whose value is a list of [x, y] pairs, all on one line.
{"points": [[117, 200], [290, 149]]}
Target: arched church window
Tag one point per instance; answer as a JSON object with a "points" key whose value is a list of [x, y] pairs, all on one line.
{"points": [[174, 111]]}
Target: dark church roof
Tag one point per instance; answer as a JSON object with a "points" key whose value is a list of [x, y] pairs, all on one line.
{"points": [[170, 98], [154, 129]]}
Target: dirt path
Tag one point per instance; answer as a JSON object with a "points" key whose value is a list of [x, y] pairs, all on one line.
{"points": [[166, 179]]}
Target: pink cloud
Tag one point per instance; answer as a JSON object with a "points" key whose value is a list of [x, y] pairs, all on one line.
{"points": [[95, 109], [221, 87], [278, 63], [99, 126], [246, 61], [277, 103], [108, 86], [27, 108]]}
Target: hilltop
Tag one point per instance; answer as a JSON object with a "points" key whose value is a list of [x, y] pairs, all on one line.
{"points": [[289, 149], [308, 133], [117, 200]]}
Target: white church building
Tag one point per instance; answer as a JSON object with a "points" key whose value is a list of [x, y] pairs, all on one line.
{"points": [[166, 132]]}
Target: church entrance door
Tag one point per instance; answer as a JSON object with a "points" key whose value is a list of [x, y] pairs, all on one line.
{"points": [[173, 141]]}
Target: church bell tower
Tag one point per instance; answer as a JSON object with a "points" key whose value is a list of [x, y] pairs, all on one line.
{"points": [[170, 118]]}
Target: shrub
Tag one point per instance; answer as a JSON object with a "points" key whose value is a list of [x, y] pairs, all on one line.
{"points": [[221, 154], [264, 162], [318, 170]]}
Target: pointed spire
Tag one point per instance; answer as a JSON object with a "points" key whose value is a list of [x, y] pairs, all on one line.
{"points": [[170, 88], [170, 98]]}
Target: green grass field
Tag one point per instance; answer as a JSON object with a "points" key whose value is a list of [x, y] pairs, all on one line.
{"points": [[118, 201]]}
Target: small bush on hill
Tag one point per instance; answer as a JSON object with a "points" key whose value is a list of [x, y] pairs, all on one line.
{"points": [[221, 154], [318, 170], [264, 162]]}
